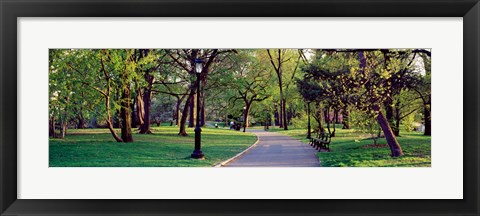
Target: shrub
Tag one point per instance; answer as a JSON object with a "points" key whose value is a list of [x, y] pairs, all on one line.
{"points": [[409, 123], [301, 121]]}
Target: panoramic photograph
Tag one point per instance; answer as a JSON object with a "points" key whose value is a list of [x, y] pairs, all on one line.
{"points": [[240, 107]]}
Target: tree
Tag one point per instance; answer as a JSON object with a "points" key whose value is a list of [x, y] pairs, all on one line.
{"points": [[365, 76], [162, 108], [326, 80], [60, 92], [277, 62], [367, 123], [91, 70], [406, 104], [174, 82], [108, 72], [423, 88], [311, 91], [185, 59], [375, 75], [123, 63], [148, 61], [250, 79]]}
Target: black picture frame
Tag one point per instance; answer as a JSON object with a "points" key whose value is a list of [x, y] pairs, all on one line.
{"points": [[10, 10]]}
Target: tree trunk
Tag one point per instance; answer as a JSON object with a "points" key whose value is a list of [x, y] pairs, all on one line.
{"points": [[177, 109], [51, 127], [63, 129], [318, 117], [284, 117], [389, 112], [140, 107], [226, 120], [109, 118], [326, 114], [278, 70], [106, 95], [81, 122], [125, 115], [133, 122], [319, 122], [185, 112], [427, 100], [276, 116], [147, 100], [280, 116], [396, 150], [112, 131], [428, 120], [388, 103], [245, 120], [389, 109], [268, 121]]}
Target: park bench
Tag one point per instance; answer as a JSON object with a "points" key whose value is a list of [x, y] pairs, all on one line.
{"points": [[321, 141]]}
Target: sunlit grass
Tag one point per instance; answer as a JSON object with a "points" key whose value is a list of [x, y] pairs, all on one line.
{"points": [[163, 148]]}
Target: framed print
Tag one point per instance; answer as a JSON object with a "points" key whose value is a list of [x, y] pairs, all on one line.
{"points": [[385, 135]]}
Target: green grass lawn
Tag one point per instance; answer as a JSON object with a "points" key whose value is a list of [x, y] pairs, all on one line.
{"points": [[163, 148], [350, 149]]}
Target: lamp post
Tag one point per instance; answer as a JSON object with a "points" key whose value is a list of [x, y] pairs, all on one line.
{"points": [[197, 153], [309, 135]]}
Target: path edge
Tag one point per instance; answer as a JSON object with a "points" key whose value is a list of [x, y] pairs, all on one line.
{"points": [[238, 155]]}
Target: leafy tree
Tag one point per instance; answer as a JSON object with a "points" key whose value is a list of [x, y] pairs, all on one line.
{"points": [[278, 59], [250, 80], [375, 72], [423, 88], [406, 105], [185, 59], [362, 78], [148, 62], [110, 73], [365, 122]]}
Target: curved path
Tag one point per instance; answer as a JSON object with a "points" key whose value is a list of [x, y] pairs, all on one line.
{"points": [[277, 150]]}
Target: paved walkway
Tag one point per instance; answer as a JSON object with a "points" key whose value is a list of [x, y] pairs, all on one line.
{"points": [[277, 150]]}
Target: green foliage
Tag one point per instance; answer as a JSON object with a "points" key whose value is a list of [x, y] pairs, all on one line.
{"points": [[162, 108], [409, 123], [81, 81], [70, 100], [365, 123], [301, 120]]}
